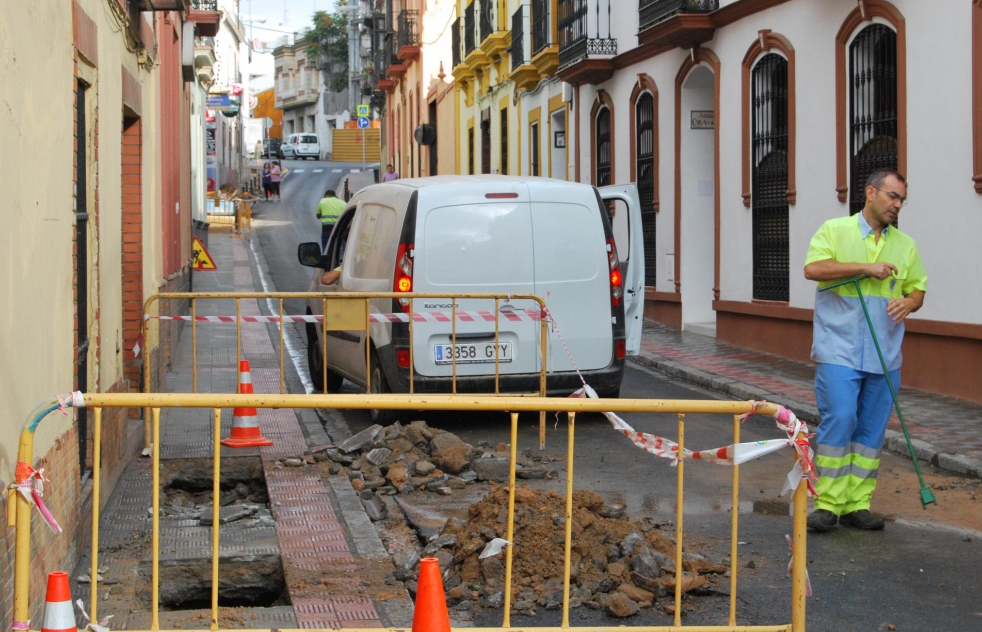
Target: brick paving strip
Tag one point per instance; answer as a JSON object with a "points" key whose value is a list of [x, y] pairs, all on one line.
{"points": [[310, 534], [944, 430]]}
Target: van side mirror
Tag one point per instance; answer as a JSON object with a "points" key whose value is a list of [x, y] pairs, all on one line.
{"points": [[309, 254]]}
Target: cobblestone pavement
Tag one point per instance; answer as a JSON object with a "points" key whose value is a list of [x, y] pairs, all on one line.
{"points": [[946, 431]]}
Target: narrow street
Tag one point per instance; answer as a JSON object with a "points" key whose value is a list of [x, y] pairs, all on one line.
{"points": [[856, 572]]}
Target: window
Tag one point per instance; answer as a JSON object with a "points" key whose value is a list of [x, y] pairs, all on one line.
{"points": [[644, 116], [873, 108], [770, 179], [470, 150], [504, 141], [534, 148], [603, 147]]}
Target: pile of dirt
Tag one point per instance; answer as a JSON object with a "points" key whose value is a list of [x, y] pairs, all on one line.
{"points": [[616, 564]]}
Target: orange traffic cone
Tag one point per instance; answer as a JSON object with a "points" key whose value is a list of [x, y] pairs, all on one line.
{"points": [[58, 613], [430, 613], [245, 421]]}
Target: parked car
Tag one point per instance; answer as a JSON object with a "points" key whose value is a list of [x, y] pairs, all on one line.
{"points": [[488, 234], [271, 148], [297, 146]]}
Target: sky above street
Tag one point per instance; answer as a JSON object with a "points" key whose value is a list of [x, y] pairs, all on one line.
{"points": [[282, 16]]}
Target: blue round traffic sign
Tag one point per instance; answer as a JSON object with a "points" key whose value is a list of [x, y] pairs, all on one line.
{"points": [[362, 122]]}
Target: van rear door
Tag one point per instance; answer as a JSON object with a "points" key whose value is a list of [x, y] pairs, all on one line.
{"points": [[630, 250], [571, 274], [474, 239]]}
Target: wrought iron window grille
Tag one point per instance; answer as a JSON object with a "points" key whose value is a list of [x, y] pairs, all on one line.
{"points": [[644, 117], [518, 38], [873, 108], [771, 267]]}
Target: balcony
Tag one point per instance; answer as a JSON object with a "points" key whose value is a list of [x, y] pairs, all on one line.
{"points": [[204, 60], [494, 40], [582, 58], [544, 50], [455, 43], [383, 57], [205, 15], [408, 37], [160, 5], [523, 73], [474, 57], [682, 23]]}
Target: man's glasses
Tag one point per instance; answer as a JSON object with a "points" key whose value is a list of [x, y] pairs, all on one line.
{"points": [[894, 197]]}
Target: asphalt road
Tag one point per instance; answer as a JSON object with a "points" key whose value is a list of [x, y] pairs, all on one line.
{"points": [[910, 576]]}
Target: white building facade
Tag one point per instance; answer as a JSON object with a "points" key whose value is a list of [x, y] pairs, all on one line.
{"points": [[748, 123]]}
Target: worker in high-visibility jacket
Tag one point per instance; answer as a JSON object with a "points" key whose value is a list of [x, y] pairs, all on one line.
{"points": [[329, 209], [851, 390]]}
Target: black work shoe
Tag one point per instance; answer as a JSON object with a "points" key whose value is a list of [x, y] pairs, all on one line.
{"points": [[862, 519], [821, 520]]}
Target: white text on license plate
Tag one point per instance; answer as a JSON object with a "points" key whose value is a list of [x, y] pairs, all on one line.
{"points": [[472, 353]]}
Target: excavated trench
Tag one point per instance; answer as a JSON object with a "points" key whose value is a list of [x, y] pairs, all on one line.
{"points": [[250, 569]]}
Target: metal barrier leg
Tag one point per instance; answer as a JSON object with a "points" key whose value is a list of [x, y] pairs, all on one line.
{"points": [[510, 533], [569, 515]]}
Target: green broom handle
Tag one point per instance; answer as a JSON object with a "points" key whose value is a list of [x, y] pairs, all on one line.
{"points": [[883, 363]]}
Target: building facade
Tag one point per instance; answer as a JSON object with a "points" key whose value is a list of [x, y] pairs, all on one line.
{"points": [[698, 103], [100, 190], [413, 42]]}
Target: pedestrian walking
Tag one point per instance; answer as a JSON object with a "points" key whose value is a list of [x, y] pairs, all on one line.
{"points": [[329, 209], [851, 389], [390, 174], [274, 177], [267, 180]]}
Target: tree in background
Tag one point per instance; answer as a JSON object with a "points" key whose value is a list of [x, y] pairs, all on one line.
{"points": [[328, 42]]}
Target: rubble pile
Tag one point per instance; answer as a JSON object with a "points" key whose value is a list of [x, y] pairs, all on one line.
{"points": [[617, 565], [404, 458]]}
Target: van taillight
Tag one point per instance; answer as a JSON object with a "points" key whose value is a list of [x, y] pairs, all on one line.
{"points": [[403, 277], [616, 282], [402, 358], [620, 348]]}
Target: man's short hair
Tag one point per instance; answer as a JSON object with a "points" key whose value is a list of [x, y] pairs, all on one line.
{"points": [[388, 165], [876, 178], [330, 193]]}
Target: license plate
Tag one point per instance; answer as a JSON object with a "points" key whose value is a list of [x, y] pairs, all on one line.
{"points": [[472, 353]]}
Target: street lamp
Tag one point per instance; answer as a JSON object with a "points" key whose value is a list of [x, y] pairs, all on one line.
{"points": [[353, 41]]}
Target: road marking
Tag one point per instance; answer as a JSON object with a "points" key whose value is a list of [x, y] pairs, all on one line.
{"points": [[318, 171], [356, 171], [299, 170], [335, 171]]}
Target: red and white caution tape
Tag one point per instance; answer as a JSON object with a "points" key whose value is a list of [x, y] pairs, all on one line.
{"points": [[30, 485], [808, 581], [732, 454], [527, 315], [101, 626]]}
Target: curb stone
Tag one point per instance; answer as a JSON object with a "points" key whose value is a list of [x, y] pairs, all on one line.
{"points": [[894, 441]]}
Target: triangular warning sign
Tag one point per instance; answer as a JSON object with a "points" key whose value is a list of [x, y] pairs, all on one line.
{"points": [[202, 260]]}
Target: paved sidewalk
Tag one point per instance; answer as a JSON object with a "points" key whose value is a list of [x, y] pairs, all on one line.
{"points": [[946, 431], [322, 534]]}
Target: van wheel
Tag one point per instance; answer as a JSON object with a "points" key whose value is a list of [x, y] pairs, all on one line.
{"points": [[315, 363], [380, 386]]}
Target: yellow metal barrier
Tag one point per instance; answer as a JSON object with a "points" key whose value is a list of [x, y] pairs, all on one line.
{"points": [[19, 510], [342, 311]]}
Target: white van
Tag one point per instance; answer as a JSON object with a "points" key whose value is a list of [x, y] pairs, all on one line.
{"points": [[485, 234], [299, 146]]}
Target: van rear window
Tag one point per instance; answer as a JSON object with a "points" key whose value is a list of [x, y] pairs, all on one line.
{"points": [[308, 139]]}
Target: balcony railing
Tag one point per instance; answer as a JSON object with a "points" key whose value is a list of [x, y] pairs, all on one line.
{"points": [[487, 18], [469, 29], [455, 42], [518, 38], [409, 28], [651, 12], [575, 42], [204, 5], [540, 24]]}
